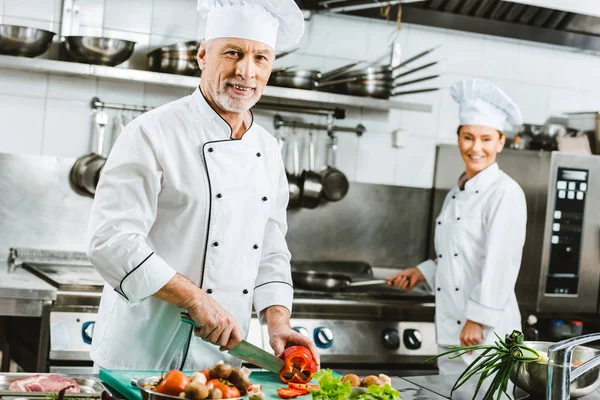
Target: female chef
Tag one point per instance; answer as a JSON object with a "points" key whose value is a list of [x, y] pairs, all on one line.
{"points": [[479, 233]]}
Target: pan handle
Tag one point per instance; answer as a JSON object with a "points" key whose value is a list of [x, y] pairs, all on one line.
{"points": [[338, 71], [296, 155], [404, 83], [414, 58], [335, 82], [414, 91], [415, 69], [373, 282]]}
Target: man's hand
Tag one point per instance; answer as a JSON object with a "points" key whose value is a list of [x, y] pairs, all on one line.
{"points": [[471, 334], [406, 279], [281, 335], [217, 326]]}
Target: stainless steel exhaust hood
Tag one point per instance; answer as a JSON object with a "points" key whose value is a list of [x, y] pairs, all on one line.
{"points": [[517, 19]]}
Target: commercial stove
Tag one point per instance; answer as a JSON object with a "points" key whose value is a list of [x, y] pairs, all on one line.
{"points": [[60, 340], [366, 329]]}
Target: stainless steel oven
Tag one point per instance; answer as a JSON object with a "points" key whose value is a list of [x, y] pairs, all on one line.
{"points": [[560, 269], [367, 330]]}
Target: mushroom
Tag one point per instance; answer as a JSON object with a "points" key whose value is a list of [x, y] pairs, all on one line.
{"points": [[238, 379], [199, 377], [196, 391], [385, 379], [371, 380], [255, 393], [216, 394], [220, 371], [353, 379]]}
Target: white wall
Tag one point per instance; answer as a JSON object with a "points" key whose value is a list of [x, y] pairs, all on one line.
{"points": [[50, 115]]}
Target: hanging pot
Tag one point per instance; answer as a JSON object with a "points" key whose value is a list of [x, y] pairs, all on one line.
{"points": [[86, 171], [335, 183], [311, 184]]}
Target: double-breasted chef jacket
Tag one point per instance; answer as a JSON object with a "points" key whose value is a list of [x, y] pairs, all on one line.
{"points": [[178, 194], [479, 238]]}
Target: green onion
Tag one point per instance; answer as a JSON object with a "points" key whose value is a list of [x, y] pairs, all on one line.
{"points": [[498, 361]]}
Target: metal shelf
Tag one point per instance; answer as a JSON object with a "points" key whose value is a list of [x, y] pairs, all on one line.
{"points": [[271, 92]]}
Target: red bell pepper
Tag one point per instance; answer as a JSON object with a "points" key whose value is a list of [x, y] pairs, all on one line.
{"points": [[289, 393], [299, 365]]}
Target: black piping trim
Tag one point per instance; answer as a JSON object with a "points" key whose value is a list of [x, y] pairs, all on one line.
{"points": [[121, 291], [230, 128], [268, 283]]}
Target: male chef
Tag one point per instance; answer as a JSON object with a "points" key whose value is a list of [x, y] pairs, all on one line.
{"points": [[190, 211]]}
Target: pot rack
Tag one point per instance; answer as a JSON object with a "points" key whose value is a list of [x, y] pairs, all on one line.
{"points": [[99, 105], [330, 113], [280, 122]]}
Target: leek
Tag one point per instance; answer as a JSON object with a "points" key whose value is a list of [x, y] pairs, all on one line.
{"points": [[496, 362]]}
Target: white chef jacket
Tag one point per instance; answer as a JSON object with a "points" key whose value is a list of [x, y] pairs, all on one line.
{"points": [[178, 194], [479, 240]]}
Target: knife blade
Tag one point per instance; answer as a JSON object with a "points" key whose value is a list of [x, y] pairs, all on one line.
{"points": [[247, 351]]}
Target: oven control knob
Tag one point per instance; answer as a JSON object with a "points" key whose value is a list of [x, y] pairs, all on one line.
{"points": [[390, 339], [323, 337], [87, 331], [303, 331], [412, 339]]}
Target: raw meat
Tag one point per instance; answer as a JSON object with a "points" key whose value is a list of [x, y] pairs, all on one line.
{"points": [[44, 383]]}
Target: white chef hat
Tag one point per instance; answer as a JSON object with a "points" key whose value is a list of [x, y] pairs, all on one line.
{"points": [[483, 103], [276, 23]]}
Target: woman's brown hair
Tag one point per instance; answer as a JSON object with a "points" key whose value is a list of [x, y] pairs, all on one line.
{"points": [[460, 126]]}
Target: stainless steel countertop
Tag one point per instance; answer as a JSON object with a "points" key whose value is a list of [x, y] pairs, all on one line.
{"points": [[21, 284], [441, 385]]}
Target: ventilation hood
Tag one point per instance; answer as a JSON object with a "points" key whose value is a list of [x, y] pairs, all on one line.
{"points": [[574, 23]]}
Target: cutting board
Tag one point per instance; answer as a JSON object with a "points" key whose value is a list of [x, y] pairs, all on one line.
{"points": [[121, 381]]}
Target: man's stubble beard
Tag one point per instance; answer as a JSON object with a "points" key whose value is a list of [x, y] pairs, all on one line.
{"points": [[231, 104]]}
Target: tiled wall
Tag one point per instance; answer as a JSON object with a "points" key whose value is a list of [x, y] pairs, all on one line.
{"points": [[49, 114]]}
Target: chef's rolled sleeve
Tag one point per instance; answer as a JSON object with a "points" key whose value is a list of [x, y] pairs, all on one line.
{"points": [[505, 229], [428, 269], [123, 213], [273, 284]]}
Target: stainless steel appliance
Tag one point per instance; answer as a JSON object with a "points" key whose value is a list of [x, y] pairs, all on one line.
{"points": [[370, 329], [59, 341], [559, 270]]}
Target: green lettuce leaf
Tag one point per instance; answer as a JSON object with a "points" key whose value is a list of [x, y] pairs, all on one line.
{"points": [[330, 386]]}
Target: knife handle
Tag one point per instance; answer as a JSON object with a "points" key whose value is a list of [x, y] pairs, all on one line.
{"points": [[186, 318]]}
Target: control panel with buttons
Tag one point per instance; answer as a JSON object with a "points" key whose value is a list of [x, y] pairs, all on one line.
{"points": [[567, 229]]}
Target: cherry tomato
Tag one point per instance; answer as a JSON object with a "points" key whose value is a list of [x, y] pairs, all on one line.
{"points": [[173, 383], [206, 374], [229, 391]]}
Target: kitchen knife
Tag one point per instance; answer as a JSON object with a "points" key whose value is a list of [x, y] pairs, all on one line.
{"points": [[248, 352]]}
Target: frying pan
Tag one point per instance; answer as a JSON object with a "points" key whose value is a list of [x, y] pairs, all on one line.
{"points": [[310, 181], [335, 183], [315, 280]]}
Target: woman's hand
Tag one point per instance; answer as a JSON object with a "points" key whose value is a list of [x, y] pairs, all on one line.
{"points": [[406, 279], [471, 334]]}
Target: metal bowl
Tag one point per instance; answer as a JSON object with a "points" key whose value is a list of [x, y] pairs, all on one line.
{"points": [[179, 58], [98, 50], [148, 394], [531, 377], [24, 41]]}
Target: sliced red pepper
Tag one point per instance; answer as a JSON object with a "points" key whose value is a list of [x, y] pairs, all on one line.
{"points": [[299, 365], [303, 386], [289, 393]]}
